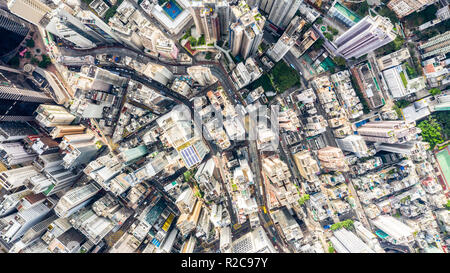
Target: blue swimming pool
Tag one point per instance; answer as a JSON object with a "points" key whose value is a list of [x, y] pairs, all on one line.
{"points": [[172, 9]]}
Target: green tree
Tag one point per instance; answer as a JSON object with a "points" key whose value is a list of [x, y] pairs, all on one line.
{"points": [[14, 62], [319, 20], [402, 103], [412, 73], [284, 76], [110, 13], [187, 176], [201, 40], [329, 36], [45, 62], [435, 91], [30, 43], [318, 43], [431, 132], [28, 55], [330, 248], [339, 61], [192, 41], [332, 30], [444, 120], [34, 60], [448, 205], [387, 12], [397, 110], [208, 55], [303, 199]]}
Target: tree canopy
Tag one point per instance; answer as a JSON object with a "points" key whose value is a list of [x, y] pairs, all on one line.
{"points": [[45, 62], [284, 76], [347, 224], [435, 91], [431, 131]]}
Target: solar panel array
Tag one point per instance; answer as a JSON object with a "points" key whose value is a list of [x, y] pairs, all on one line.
{"points": [[190, 157]]}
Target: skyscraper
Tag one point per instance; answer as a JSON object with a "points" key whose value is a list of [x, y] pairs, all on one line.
{"points": [[332, 158], [354, 144], [211, 18], [396, 131], [367, 35], [17, 103], [287, 40], [266, 5], [60, 21], [31, 10], [14, 178], [14, 30], [255, 241], [282, 12], [246, 33], [75, 199], [53, 115]]}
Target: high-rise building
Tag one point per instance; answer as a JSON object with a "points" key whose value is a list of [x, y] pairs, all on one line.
{"points": [[158, 72], [15, 225], [18, 104], [225, 239], [287, 40], [245, 73], [96, 28], [282, 12], [188, 221], [63, 24], [405, 7], [211, 18], [345, 241], [354, 144], [14, 178], [52, 180], [202, 75], [280, 189], [33, 234], [62, 130], [180, 133], [186, 201], [436, 45], [246, 31], [15, 30], [79, 149], [207, 183], [93, 226], [332, 158], [11, 131], [266, 5], [31, 10], [20, 94], [367, 35], [389, 131], [13, 153], [75, 199], [155, 41], [53, 115], [307, 165], [255, 241], [60, 21]]}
